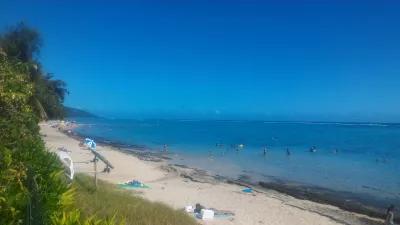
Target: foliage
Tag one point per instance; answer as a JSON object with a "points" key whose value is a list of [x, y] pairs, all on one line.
{"points": [[22, 44], [21, 148], [109, 199], [32, 188]]}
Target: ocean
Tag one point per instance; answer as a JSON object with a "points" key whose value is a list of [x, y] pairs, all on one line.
{"points": [[367, 163]]}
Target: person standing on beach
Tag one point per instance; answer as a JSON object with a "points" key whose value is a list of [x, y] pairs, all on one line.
{"points": [[165, 147], [389, 215]]}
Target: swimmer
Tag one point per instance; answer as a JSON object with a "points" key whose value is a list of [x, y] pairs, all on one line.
{"points": [[210, 153], [313, 149], [336, 151], [165, 147], [265, 151], [237, 150], [288, 152]]}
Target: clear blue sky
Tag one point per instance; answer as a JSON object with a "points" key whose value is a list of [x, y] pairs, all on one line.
{"points": [[314, 61]]}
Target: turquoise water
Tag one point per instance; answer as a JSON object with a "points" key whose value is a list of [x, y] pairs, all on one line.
{"points": [[359, 167]]}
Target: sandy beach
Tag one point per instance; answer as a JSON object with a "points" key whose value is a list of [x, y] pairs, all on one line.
{"points": [[179, 187]]}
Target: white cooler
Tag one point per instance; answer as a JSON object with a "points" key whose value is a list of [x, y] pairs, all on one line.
{"points": [[207, 214]]}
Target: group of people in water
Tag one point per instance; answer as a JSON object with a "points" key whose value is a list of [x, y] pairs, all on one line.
{"points": [[389, 212], [313, 149], [288, 152]]}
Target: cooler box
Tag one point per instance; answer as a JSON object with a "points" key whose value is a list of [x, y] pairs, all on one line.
{"points": [[207, 214]]}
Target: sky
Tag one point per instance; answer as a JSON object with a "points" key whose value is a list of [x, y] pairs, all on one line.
{"points": [[315, 60]]}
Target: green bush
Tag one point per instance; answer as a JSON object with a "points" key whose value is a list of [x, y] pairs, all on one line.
{"points": [[33, 190]]}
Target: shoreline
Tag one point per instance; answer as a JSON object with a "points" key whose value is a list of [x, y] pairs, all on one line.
{"points": [[276, 189], [348, 201]]}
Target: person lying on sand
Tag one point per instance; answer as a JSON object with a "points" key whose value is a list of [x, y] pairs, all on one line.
{"points": [[199, 207]]}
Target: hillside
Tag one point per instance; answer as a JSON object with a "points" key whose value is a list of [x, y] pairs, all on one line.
{"points": [[73, 112]]}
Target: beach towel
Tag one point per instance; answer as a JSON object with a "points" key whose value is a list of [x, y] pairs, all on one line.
{"points": [[216, 215], [247, 190], [133, 185], [227, 215]]}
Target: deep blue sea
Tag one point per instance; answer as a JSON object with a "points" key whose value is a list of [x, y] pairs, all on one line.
{"points": [[360, 166]]}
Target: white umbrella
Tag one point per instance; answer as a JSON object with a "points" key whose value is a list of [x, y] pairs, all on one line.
{"points": [[68, 163], [92, 145]]}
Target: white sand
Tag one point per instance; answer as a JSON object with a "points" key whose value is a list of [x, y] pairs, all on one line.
{"points": [[168, 187]]}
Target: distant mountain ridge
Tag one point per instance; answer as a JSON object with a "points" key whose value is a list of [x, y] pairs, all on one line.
{"points": [[73, 112]]}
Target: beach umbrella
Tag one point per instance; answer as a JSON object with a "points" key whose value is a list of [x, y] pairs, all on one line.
{"points": [[87, 140], [67, 163], [92, 145]]}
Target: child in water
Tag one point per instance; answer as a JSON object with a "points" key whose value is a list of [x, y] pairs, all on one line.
{"points": [[165, 147]]}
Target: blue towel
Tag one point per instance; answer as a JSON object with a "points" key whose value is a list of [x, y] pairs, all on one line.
{"points": [[198, 216], [223, 215], [248, 190]]}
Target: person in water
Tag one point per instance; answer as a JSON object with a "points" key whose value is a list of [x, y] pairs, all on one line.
{"points": [[389, 215], [265, 151], [288, 152], [210, 153], [336, 151], [165, 147], [226, 151], [313, 149]]}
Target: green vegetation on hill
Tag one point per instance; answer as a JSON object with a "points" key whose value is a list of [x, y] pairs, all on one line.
{"points": [[22, 44], [73, 112], [109, 199], [31, 185]]}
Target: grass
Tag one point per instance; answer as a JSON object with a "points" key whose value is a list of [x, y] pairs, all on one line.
{"points": [[108, 199]]}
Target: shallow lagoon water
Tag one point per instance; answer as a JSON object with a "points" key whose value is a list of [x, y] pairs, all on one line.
{"points": [[360, 166]]}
